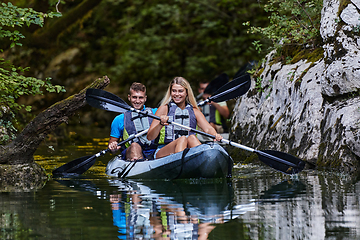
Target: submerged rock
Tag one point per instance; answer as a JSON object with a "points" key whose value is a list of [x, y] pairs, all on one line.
{"points": [[310, 109], [22, 177]]}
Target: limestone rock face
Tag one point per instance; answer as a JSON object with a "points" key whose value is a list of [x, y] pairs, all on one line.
{"points": [[310, 110]]}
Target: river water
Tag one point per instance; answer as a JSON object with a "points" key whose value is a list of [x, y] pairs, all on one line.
{"points": [[256, 203]]}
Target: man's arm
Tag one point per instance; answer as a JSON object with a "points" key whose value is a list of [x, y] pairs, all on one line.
{"points": [[117, 128], [113, 144], [222, 108]]}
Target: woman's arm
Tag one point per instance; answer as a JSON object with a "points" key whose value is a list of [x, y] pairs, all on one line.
{"points": [[156, 126], [205, 125]]}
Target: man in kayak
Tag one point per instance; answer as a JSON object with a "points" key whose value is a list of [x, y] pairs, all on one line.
{"points": [[130, 123], [215, 113], [178, 105]]}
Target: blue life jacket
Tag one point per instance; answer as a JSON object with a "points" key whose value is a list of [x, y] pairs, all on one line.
{"points": [[184, 117], [135, 123]]}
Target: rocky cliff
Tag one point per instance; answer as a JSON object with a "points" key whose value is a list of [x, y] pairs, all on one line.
{"points": [[310, 109]]}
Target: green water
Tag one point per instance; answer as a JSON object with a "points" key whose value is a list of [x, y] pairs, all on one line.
{"points": [[257, 203]]}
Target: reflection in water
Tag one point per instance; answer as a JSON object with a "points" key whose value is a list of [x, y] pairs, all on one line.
{"points": [[179, 209], [283, 191], [256, 203], [167, 209]]}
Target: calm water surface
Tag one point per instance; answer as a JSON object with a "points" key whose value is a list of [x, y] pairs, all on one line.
{"points": [[257, 203]]}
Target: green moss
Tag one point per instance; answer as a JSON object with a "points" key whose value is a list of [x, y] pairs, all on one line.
{"points": [[316, 55], [299, 56], [251, 158], [309, 55], [258, 72], [291, 54]]}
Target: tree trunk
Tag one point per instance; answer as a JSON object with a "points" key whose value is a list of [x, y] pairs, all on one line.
{"points": [[21, 150], [18, 170]]}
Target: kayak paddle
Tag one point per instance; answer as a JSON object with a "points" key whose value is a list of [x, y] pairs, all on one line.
{"points": [[280, 161], [233, 89], [244, 69], [81, 165], [215, 84]]}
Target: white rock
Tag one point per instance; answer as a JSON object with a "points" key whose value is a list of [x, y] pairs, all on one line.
{"points": [[311, 110], [350, 15], [356, 3], [329, 17]]}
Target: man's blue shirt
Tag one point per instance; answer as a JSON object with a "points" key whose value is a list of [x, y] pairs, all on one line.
{"points": [[117, 126]]}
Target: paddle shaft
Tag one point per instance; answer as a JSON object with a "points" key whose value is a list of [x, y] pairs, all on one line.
{"points": [[171, 122], [237, 145], [222, 140], [88, 160], [222, 93], [264, 154], [267, 155], [131, 137]]}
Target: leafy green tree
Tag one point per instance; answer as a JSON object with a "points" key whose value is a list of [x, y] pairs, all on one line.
{"points": [[13, 83], [293, 24]]}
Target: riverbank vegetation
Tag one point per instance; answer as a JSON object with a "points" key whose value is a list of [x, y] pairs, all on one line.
{"points": [[13, 82], [149, 42]]}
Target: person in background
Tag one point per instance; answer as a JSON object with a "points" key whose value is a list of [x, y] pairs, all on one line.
{"points": [[215, 113], [178, 105], [130, 123]]}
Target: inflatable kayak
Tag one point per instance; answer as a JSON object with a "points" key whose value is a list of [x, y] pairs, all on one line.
{"points": [[208, 160], [204, 139]]}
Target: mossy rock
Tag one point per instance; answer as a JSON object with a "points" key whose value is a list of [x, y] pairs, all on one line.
{"points": [[309, 55], [22, 177]]}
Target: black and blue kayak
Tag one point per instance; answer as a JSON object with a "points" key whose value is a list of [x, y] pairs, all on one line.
{"points": [[208, 160]]}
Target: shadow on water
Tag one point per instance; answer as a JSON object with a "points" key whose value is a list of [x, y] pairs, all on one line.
{"points": [[283, 191]]}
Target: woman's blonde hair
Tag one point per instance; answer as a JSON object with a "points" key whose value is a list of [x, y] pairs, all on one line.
{"points": [[184, 83]]}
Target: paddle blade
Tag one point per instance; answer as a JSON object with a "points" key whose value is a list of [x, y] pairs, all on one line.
{"points": [[75, 167], [243, 70], [233, 89], [217, 83], [104, 100], [281, 161]]}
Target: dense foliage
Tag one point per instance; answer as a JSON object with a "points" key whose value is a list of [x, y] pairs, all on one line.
{"points": [[153, 41], [195, 39], [13, 83], [292, 23]]}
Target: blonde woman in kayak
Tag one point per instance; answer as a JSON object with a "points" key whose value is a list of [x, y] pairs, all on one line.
{"points": [[178, 105]]}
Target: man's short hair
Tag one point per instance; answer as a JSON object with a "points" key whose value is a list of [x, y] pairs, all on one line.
{"points": [[204, 81], [135, 86]]}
